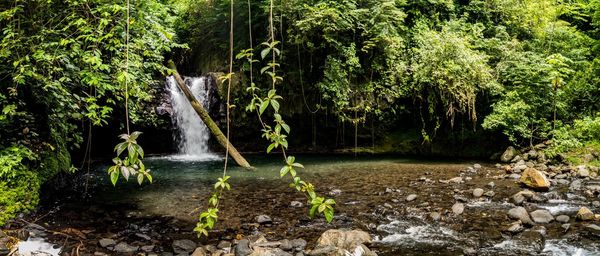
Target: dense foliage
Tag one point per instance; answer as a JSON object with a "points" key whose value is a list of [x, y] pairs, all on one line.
{"points": [[523, 69], [62, 68]]}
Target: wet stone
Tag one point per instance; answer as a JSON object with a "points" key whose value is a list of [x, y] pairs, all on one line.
{"points": [[542, 216], [521, 214], [106, 242], [562, 218], [298, 244], [596, 203], [515, 228], [243, 248], [147, 248], [477, 192], [263, 219], [585, 214], [285, 245], [458, 208], [593, 229], [435, 216], [183, 246], [123, 247], [411, 197], [489, 193], [224, 245]]}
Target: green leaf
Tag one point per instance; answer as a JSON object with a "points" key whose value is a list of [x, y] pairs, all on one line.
{"points": [[140, 178], [275, 105], [114, 176], [328, 214], [284, 170], [271, 147], [264, 53], [263, 106]]}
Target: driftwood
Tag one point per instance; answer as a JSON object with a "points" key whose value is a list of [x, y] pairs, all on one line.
{"points": [[203, 114]]}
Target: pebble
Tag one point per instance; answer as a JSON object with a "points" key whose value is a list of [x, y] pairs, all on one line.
{"points": [[263, 219], [458, 208], [123, 247], [489, 193], [435, 216], [411, 197], [478, 192], [521, 214], [106, 242], [477, 166], [491, 184], [296, 204]]}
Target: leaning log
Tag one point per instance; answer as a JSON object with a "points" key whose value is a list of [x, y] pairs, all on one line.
{"points": [[203, 114]]}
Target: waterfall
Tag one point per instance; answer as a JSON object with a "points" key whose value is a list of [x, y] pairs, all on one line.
{"points": [[192, 134]]}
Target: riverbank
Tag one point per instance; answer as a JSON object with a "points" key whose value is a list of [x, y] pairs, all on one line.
{"points": [[408, 207]]}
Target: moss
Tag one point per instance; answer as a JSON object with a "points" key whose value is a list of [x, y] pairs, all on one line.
{"points": [[578, 156], [20, 195]]}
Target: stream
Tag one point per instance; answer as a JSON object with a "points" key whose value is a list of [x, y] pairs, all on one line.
{"points": [[371, 194]]}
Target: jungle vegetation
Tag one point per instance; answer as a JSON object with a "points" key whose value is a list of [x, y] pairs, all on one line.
{"points": [[519, 71]]}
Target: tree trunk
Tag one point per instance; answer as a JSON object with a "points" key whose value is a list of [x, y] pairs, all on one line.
{"points": [[203, 114]]}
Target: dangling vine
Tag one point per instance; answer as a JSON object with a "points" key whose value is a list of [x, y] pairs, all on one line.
{"points": [[131, 164], [276, 136]]}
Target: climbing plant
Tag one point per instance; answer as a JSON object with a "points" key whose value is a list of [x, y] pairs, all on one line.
{"points": [[276, 132]]}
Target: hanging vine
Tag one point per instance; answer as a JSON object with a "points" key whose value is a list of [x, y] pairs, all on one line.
{"points": [[131, 164], [276, 133]]}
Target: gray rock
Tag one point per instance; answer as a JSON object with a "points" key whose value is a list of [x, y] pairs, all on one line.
{"points": [[508, 154], [596, 204], [106, 242], [489, 193], [147, 248], [562, 218], [491, 185], [576, 185], [243, 248], [224, 244], [296, 204], [411, 197], [285, 245], [582, 171], [518, 198], [542, 216], [456, 180], [514, 176], [435, 216], [143, 236], [298, 244], [200, 252], [263, 219], [335, 192], [477, 192], [521, 214], [458, 208], [565, 227], [183, 246], [593, 229], [515, 228], [123, 247], [477, 166], [323, 250]]}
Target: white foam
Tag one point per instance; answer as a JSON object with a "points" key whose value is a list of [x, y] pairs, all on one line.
{"points": [[36, 246], [561, 247], [205, 157]]}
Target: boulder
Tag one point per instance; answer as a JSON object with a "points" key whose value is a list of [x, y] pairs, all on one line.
{"points": [[521, 214], [585, 214], [183, 246], [508, 154], [542, 216], [345, 242], [535, 179]]}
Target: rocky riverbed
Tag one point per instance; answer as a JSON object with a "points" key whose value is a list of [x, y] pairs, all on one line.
{"points": [[523, 206]]}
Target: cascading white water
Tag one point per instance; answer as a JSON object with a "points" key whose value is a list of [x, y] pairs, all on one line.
{"points": [[192, 135]]}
